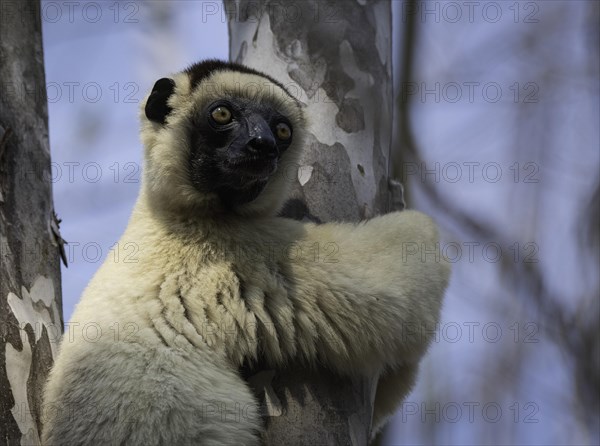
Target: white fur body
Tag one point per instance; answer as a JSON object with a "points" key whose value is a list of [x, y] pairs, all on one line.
{"points": [[205, 293]]}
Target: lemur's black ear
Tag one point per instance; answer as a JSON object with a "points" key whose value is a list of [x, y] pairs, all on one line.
{"points": [[156, 107]]}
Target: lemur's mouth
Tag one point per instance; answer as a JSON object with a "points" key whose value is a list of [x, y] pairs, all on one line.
{"points": [[252, 166]]}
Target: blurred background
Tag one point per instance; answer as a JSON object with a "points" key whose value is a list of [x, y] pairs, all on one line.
{"points": [[497, 138]]}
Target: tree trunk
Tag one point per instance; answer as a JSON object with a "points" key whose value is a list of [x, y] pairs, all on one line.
{"points": [[335, 57], [30, 305]]}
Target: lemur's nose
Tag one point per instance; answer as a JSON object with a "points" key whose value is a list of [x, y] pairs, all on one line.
{"points": [[263, 145], [261, 139]]}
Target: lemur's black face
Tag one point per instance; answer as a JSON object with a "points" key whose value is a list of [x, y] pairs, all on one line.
{"points": [[236, 144], [236, 147]]}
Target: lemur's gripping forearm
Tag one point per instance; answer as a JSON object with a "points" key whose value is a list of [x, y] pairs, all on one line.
{"points": [[352, 296]]}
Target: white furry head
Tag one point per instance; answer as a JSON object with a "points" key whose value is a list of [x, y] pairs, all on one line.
{"points": [[167, 135]]}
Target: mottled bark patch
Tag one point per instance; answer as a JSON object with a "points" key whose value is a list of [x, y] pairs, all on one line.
{"points": [[351, 117], [296, 209], [9, 429], [41, 361], [309, 77], [242, 53], [331, 174], [327, 390]]}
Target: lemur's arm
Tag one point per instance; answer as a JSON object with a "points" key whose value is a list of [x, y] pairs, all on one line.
{"points": [[355, 296]]}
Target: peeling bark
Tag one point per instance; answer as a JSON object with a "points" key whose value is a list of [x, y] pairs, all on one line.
{"points": [[30, 306], [335, 57]]}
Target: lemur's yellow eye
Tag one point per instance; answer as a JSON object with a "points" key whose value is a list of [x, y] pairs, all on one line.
{"points": [[284, 132], [221, 115]]}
